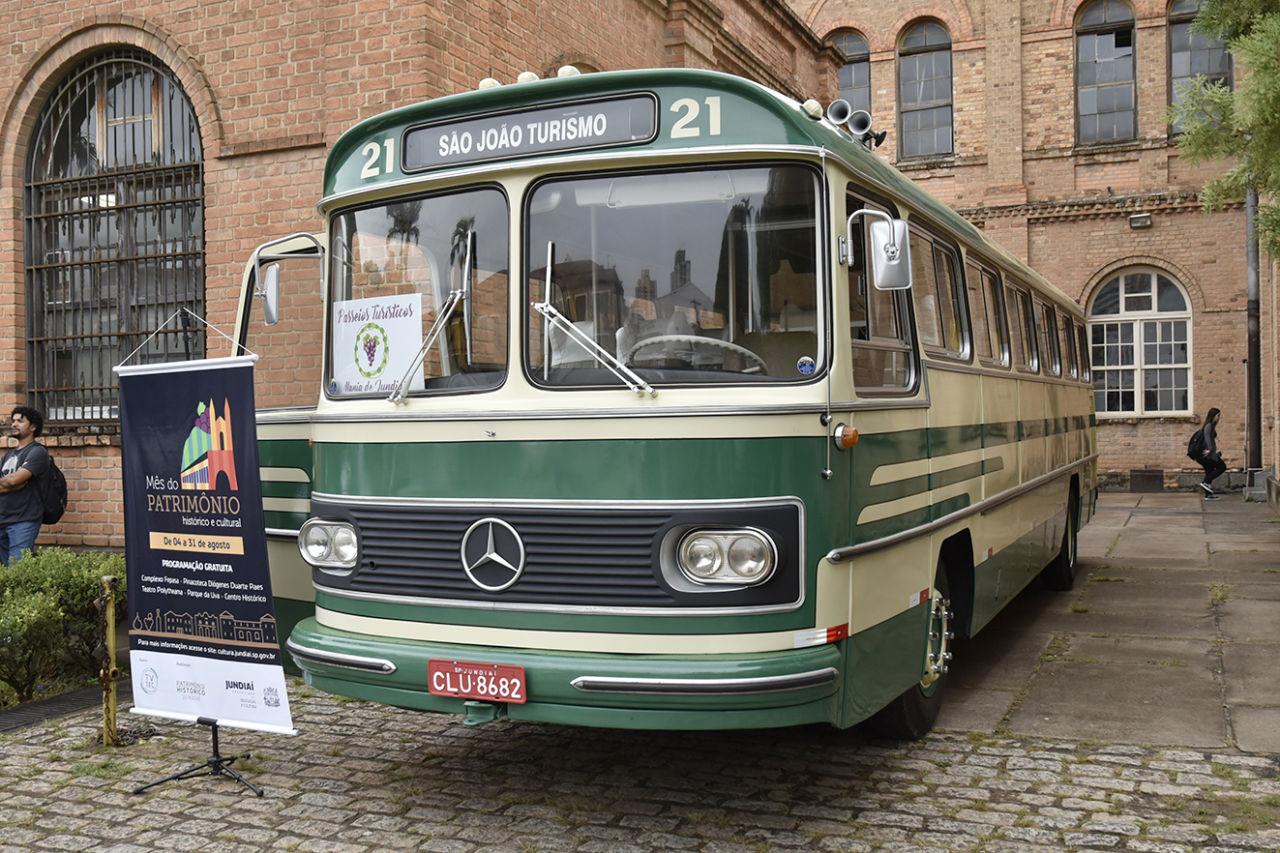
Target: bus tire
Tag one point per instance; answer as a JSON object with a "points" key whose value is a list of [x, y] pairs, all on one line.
{"points": [[911, 716], [1060, 575]]}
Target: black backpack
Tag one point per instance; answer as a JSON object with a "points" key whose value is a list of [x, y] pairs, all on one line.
{"points": [[1195, 446], [53, 492]]}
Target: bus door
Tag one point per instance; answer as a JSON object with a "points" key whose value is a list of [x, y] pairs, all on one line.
{"points": [[281, 320]]}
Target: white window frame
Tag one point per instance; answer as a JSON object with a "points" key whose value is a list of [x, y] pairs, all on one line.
{"points": [[1137, 319]]}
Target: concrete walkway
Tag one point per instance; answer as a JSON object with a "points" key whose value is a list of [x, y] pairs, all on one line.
{"points": [[1170, 636]]}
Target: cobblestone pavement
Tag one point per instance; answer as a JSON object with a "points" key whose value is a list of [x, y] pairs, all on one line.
{"points": [[1159, 768]]}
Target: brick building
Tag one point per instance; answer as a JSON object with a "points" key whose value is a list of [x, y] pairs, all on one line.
{"points": [[146, 148], [1045, 122]]}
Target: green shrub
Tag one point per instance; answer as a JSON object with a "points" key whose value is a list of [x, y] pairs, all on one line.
{"points": [[30, 635], [72, 581]]}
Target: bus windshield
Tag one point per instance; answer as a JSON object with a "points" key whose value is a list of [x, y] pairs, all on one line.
{"points": [[701, 276], [414, 272]]}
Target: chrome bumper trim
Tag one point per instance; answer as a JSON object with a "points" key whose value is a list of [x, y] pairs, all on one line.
{"points": [[379, 665], [705, 686]]}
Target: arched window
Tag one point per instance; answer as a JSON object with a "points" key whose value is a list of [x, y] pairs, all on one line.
{"points": [[1106, 100], [114, 212], [855, 74], [1193, 54], [1140, 345], [924, 90]]}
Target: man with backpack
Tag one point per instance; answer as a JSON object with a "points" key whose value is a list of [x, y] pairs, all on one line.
{"points": [[21, 503], [1203, 448]]}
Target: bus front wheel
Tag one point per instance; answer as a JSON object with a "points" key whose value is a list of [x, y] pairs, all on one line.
{"points": [[911, 716]]}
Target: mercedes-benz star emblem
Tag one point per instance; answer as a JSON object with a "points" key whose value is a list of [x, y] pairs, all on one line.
{"points": [[492, 554]]}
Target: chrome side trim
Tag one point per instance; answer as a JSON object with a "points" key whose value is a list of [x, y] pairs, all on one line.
{"points": [[705, 686], [379, 665], [282, 532], [875, 404], [839, 555], [540, 503]]}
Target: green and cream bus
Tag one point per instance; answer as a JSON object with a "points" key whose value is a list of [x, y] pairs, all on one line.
{"points": [[654, 399]]}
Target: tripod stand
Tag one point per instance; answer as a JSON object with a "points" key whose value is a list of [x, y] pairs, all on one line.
{"points": [[217, 765]]}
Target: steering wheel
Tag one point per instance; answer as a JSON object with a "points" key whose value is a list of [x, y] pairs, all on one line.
{"points": [[760, 365]]}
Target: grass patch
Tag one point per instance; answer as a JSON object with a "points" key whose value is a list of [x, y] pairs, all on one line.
{"points": [[1220, 591], [1239, 815], [1079, 607], [1056, 650], [1106, 579], [1168, 663], [1272, 571], [1229, 774], [101, 769]]}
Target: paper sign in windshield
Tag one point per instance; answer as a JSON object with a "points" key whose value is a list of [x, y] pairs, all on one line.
{"points": [[374, 343]]}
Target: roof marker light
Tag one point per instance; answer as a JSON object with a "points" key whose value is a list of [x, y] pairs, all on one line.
{"points": [[488, 83], [567, 71], [526, 77], [812, 109]]}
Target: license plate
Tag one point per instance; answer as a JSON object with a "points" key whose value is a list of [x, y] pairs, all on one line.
{"points": [[489, 682]]}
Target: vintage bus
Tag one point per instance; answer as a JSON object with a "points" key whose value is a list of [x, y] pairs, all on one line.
{"points": [[654, 399]]}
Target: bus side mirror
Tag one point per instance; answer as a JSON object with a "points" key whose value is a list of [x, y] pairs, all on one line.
{"points": [[269, 292], [890, 249]]}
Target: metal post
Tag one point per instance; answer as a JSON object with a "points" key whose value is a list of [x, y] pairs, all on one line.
{"points": [[109, 673], [1253, 373]]}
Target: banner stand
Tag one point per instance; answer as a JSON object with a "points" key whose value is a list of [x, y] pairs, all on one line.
{"points": [[217, 765], [202, 628]]}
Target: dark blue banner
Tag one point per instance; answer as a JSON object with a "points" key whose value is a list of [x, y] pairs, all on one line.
{"points": [[202, 626]]}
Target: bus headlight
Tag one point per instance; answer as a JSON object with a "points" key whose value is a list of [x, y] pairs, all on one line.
{"points": [[329, 544], [727, 556]]}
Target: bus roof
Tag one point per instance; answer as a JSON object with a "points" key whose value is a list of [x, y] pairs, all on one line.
{"points": [[416, 140]]}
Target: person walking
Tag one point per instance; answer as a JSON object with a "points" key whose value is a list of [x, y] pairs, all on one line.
{"points": [[1208, 455], [21, 507]]}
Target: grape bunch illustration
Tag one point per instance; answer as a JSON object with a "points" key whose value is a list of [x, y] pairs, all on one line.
{"points": [[202, 422], [370, 343]]}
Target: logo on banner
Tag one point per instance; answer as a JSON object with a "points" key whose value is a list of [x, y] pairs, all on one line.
{"points": [[372, 349], [150, 681], [209, 451]]}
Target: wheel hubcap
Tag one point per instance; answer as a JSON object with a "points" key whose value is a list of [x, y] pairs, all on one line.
{"points": [[938, 659]]}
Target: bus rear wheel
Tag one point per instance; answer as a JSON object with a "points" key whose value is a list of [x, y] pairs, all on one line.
{"points": [[911, 716], [1060, 575]]}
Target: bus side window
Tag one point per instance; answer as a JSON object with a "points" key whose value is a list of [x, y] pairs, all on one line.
{"points": [[1029, 322], [1021, 331], [1050, 356], [883, 357], [1069, 347], [997, 317], [978, 311], [934, 290], [1086, 372]]}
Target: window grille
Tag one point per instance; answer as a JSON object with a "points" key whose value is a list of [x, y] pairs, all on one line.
{"points": [[924, 91], [1106, 98], [855, 75], [114, 225], [1140, 346]]}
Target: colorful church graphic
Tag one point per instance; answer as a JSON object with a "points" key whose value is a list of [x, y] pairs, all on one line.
{"points": [[209, 450]]}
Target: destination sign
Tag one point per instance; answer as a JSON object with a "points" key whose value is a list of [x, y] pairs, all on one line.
{"points": [[563, 127]]}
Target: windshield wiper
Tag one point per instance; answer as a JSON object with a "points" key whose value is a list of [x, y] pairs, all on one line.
{"points": [[552, 317], [461, 294]]}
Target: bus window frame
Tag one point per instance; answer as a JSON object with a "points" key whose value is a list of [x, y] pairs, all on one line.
{"points": [[902, 305], [990, 273], [1051, 363], [1082, 345], [960, 298], [1026, 326], [822, 266], [1071, 359], [330, 279]]}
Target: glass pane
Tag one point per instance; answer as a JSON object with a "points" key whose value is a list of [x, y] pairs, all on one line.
{"points": [[1108, 299], [978, 312], [948, 296], [1169, 297], [403, 259], [995, 316], [881, 368], [924, 291], [712, 275], [858, 327], [850, 43]]}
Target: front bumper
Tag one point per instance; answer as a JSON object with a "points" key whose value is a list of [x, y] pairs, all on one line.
{"points": [[760, 690]]}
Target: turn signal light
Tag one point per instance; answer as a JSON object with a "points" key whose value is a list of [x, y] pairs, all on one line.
{"points": [[845, 436]]}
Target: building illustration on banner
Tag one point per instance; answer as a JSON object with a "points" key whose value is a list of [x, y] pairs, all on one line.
{"points": [[209, 450], [223, 628]]}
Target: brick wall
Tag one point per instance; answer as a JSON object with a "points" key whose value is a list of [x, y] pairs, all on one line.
{"points": [[273, 87], [1017, 173]]}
